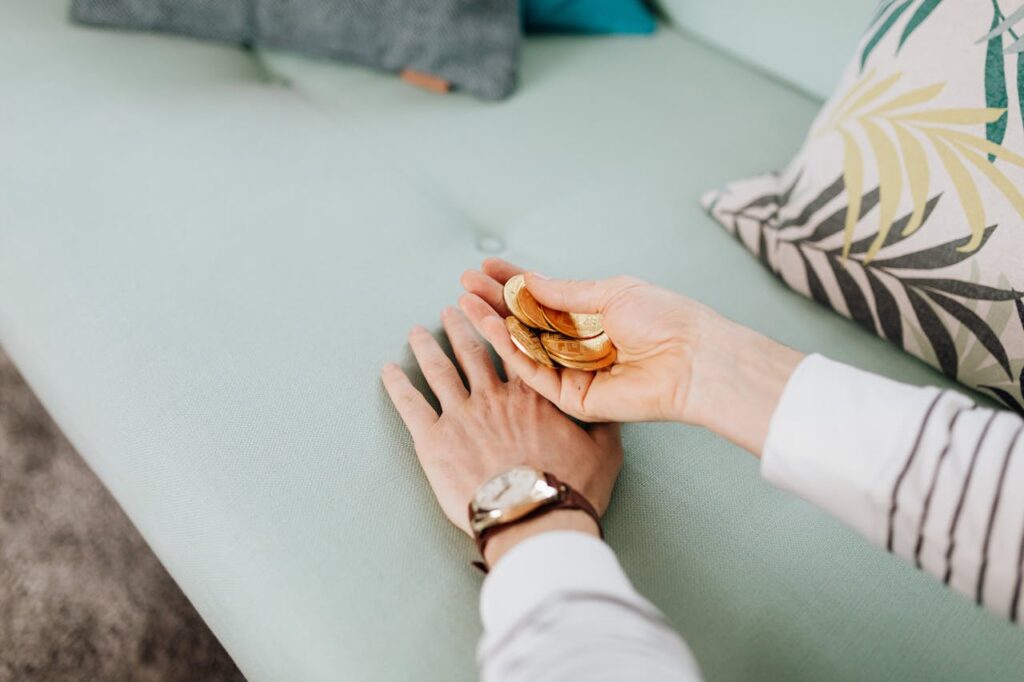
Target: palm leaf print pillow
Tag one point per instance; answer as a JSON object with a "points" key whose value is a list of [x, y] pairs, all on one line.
{"points": [[904, 208]]}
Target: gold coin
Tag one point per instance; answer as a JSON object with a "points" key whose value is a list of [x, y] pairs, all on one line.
{"points": [[511, 295], [526, 341], [523, 305], [576, 325], [593, 366], [561, 347], [532, 310]]}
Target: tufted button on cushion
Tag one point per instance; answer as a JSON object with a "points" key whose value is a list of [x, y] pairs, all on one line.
{"points": [[490, 244]]}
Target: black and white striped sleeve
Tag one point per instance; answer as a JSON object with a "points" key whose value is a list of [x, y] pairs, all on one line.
{"points": [[922, 472]]}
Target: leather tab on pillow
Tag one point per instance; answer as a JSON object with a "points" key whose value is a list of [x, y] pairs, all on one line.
{"points": [[426, 81]]}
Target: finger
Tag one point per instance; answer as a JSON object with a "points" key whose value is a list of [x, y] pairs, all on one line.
{"points": [[501, 270], [487, 288], [414, 409], [544, 380], [469, 350], [510, 374], [577, 296], [477, 310], [439, 371]]}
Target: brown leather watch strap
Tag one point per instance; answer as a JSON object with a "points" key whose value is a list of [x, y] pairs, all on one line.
{"points": [[568, 498]]}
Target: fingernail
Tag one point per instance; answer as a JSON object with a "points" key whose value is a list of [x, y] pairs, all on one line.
{"points": [[537, 275], [418, 329]]}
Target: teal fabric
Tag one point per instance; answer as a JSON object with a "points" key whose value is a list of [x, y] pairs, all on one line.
{"points": [[586, 16], [207, 254], [805, 43]]}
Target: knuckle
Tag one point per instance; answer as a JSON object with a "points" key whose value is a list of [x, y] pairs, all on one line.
{"points": [[518, 387], [487, 396], [439, 365], [474, 347], [591, 286], [622, 289], [627, 281]]}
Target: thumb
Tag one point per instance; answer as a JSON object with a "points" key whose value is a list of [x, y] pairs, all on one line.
{"points": [[577, 296]]}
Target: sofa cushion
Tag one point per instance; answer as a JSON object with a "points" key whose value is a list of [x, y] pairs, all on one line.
{"points": [[802, 42], [206, 255], [892, 214], [471, 45]]}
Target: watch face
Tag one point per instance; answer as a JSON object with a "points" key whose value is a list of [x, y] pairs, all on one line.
{"points": [[511, 488]]}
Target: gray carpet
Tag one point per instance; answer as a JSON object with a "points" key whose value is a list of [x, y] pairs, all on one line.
{"points": [[81, 595]]}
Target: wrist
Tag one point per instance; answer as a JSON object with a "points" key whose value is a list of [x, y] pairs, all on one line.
{"points": [[737, 380], [559, 519]]}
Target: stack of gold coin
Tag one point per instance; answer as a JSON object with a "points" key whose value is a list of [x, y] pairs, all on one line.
{"points": [[552, 337]]}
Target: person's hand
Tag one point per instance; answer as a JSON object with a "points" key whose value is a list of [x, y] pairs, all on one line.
{"points": [[492, 427], [677, 359], [655, 331]]}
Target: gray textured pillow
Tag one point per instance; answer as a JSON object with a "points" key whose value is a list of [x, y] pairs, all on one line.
{"points": [[471, 44]]}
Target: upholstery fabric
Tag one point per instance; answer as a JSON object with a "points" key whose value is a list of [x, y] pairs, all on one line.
{"points": [[473, 44], [206, 254], [804, 43], [903, 209], [586, 16]]}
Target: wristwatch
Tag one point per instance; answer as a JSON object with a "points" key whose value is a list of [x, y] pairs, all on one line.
{"points": [[519, 494]]}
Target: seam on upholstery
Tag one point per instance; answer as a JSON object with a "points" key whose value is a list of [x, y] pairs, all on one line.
{"points": [[747, 64], [265, 73], [412, 171]]}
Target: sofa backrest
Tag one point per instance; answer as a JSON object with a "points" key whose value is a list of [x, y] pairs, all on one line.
{"points": [[804, 42]]}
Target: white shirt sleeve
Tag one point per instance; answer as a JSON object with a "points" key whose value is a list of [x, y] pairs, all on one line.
{"points": [[559, 607], [924, 473]]}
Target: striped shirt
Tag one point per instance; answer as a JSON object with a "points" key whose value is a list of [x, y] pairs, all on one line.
{"points": [[923, 473]]}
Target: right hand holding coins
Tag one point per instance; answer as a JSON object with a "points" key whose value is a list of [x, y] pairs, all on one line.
{"points": [[554, 338]]}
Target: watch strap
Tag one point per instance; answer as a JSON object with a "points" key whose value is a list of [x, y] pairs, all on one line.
{"points": [[568, 498]]}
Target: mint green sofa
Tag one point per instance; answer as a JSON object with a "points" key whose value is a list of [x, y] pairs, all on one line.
{"points": [[206, 255]]}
